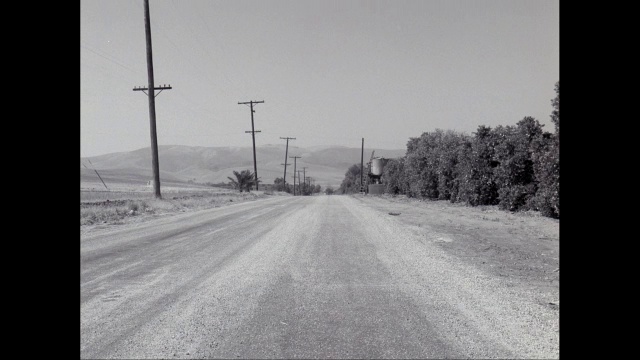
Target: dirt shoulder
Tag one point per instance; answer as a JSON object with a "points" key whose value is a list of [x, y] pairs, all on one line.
{"points": [[522, 247]]}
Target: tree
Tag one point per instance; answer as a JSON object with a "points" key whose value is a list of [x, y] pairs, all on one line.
{"points": [[329, 190], [244, 180], [279, 185], [555, 114], [421, 164], [448, 153], [477, 165], [394, 176], [514, 175], [546, 163], [351, 182]]}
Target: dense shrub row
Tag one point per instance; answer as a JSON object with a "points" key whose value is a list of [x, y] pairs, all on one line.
{"points": [[304, 188], [514, 167]]}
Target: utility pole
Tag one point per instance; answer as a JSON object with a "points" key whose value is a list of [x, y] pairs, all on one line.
{"points": [[284, 183], [284, 178], [304, 176], [253, 135], [362, 166], [294, 174], [152, 103], [299, 188]]}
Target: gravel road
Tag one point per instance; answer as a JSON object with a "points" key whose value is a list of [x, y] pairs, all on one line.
{"points": [[297, 277]]}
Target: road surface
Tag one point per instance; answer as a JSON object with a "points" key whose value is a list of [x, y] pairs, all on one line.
{"points": [[296, 277]]}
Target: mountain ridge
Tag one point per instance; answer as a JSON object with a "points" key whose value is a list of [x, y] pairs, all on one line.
{"points": [[181, 163]]}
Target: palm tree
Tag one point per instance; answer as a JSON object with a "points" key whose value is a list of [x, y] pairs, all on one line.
{"points": [[244, 180]]}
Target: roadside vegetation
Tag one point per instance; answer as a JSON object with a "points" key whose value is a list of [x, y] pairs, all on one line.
{"points": [[305, 188], [516, 167], [122, 208], [244, 180]]}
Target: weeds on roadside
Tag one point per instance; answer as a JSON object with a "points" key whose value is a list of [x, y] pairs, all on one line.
{"points": [[117, 212]]}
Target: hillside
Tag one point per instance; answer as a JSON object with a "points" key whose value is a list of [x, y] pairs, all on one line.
{"points": [[326, 164]]}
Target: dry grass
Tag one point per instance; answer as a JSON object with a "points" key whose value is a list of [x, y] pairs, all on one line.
{"points": [[119, 207]]}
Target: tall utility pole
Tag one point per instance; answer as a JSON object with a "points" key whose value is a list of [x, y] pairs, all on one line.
{"points": [[284, 178], [253, 135], [299, 188], [362, 167], [152, 103], [294, 174]]}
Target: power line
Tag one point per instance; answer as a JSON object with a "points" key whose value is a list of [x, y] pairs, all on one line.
{"points": [[108, 59]]}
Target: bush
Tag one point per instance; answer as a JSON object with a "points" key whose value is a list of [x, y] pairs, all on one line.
{"points": [[477, 184], [351, 182], [516, 197], [394, 177]]}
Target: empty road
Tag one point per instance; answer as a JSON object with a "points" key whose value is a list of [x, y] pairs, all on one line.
{"points": [[296, 277]]}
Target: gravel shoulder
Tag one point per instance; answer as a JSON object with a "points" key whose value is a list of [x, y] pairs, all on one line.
{"points": [[490, 277], [519, 247]]}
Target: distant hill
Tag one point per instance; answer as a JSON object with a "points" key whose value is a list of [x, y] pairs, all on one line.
{"points": [[326, 164]]}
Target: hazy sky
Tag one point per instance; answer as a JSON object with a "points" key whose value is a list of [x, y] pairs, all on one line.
{"points": [[330, 72]]}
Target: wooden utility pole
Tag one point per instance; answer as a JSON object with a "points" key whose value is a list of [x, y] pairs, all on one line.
{"points": [[284, 177], [283, 183], [294, 174], [152, 103], [304, 177], [253, 135]]}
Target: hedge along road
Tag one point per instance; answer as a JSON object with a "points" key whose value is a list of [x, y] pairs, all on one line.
{"points": [[296, 277]]}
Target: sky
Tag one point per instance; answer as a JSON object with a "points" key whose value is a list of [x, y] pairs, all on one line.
{"points": [[329, 72]]}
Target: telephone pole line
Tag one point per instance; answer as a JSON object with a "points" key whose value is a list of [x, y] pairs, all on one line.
{"points": [[299, 188], [152, 103], [284, 178], [253, 135], [294, 174]]}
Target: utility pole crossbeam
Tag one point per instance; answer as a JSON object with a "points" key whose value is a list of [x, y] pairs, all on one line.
{"points": [[144, 89], [294, 174], [152, 103], [286, 152], [253, 135]]}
